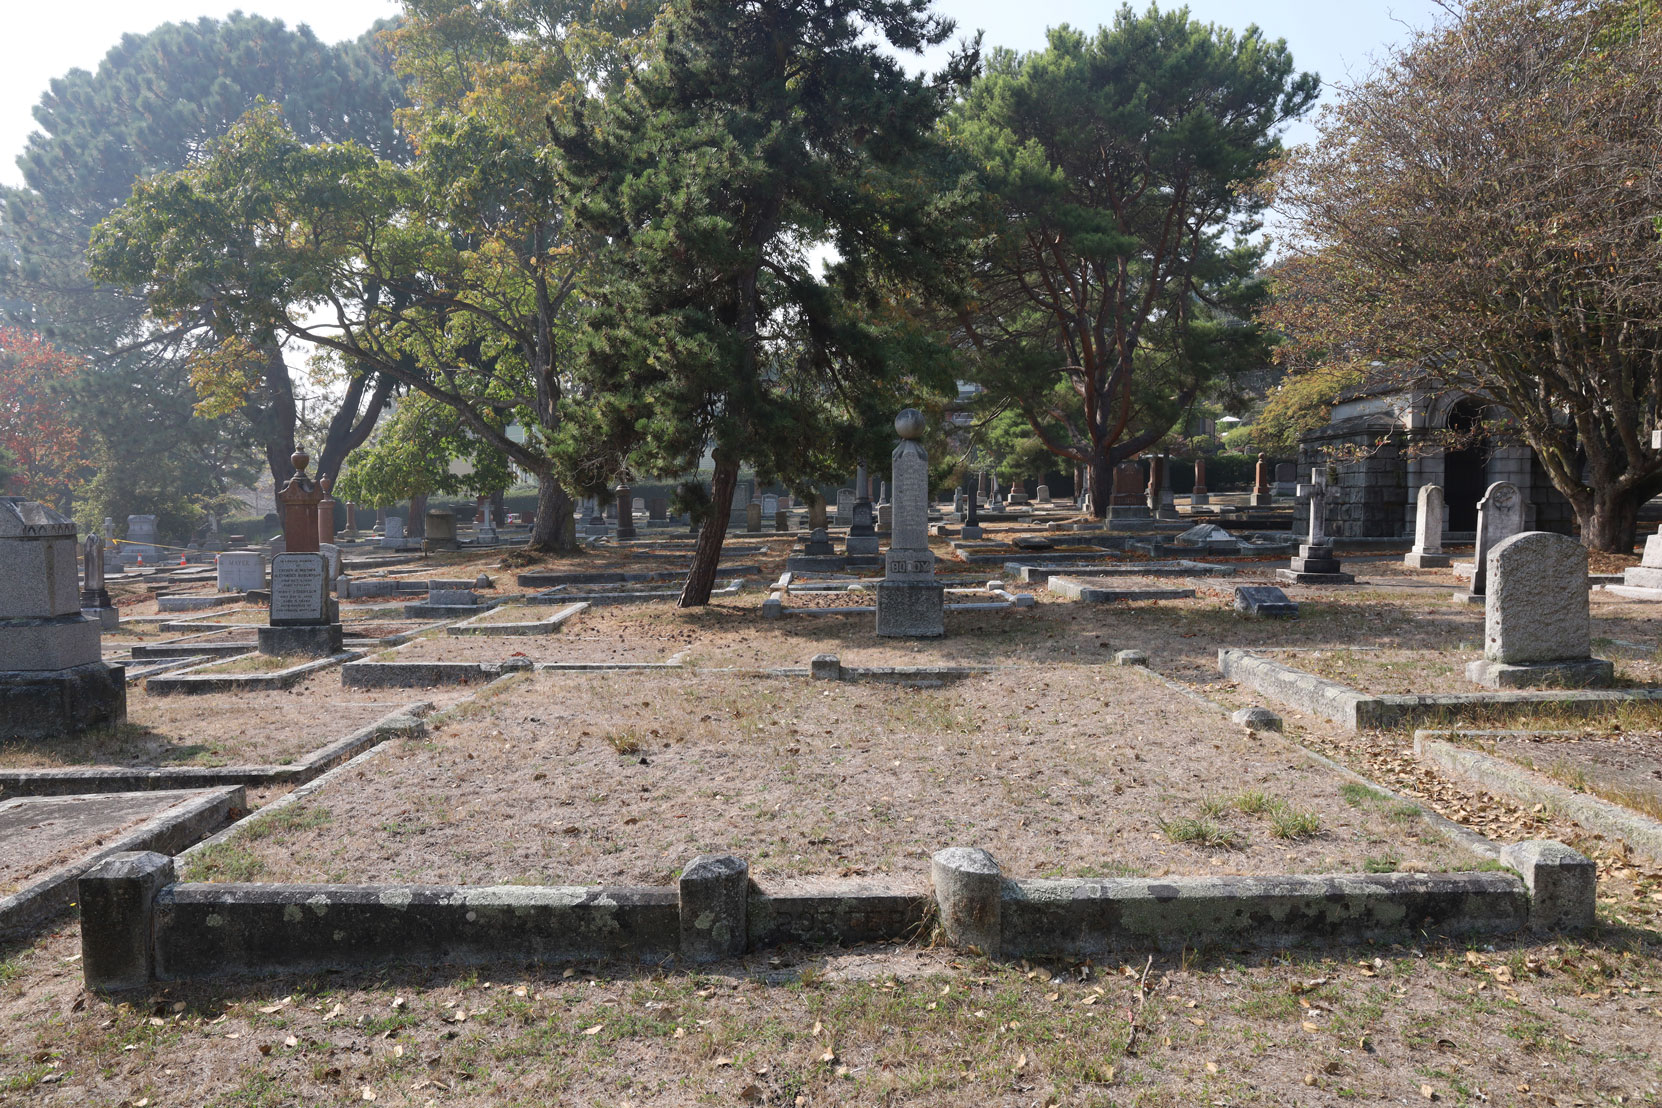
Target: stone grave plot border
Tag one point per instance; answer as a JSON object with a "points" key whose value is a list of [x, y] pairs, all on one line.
{"points": [[200, 679], [140, 925], [546, 626], [1037, 573], [395, 674], [1095, 591], [1359, 711], [829, 667], [776, 606], [197, 812], [1450, 752], [167, 604], [405, 721], [733, 588]]}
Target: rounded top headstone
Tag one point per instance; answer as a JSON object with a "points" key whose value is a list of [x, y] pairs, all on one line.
{"points": [[909, 424]]}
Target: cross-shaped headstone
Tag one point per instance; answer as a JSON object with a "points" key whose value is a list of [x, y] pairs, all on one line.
{"points": [[1316, 493]]}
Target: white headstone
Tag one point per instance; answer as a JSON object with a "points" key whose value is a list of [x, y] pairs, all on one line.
{"points": [[1316, 493], [141, 536], [770, 504], [393, 537], [331, 555], [1428, 520], [1499, 517], [240, 571], [299, 590]]}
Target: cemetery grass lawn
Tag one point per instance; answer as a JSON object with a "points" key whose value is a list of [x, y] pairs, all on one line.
{"points": [[622, 778], [219, 729], [1516, 1023]]}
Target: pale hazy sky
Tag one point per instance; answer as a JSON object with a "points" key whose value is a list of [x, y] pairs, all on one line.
{"points": [[43, 40]]}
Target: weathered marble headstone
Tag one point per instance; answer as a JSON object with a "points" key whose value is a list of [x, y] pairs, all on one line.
{"points": [[910, 602], [95, 598], [141, 536], [781, 519], [958, 503], [817, 520], [1536, 623], [753, 516], [770, 505], [1644, 581], [1043, 495], [52, 677], [484, 532], [1315, 564], [1428, 530], [441, 531], [1499, 517], [862, 532], [1265, 602], [845, 507], [819, 544], [392, 536], [303, 618], [240, 571], [331, 558]]}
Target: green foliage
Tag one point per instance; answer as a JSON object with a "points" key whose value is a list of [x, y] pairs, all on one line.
{"points": [[1118, 280], [749, 134], [1301, 403], [412, 455], [152, 105]]}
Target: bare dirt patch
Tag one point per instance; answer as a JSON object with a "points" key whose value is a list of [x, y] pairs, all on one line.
{"points": [[1062, 772], [1625, 768]]}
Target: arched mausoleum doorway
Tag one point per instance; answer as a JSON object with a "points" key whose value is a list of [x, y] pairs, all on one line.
{"points": [[1466, 470]]}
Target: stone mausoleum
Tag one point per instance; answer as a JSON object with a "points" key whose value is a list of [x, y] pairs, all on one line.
{"points": [[1382, 437]]}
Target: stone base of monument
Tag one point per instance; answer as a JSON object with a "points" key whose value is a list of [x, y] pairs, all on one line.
{"points": [[1129, 511], [908, 609], [1261, 500], [1633, 592], [1315, 565], [1420, 560], [108, 618], [1196, 499], [971, 531], [313, 641], [1578, 673], [1476, 598], [35, 703], [863, 545]]}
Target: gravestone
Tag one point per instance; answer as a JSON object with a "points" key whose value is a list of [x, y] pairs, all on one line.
{"points": [[625, 513], [141, 536], [441, 531], [1211, 538], [910, 602], [392, 537], [1644, 581], [845, 507], [781, 519], [972, 522], [1043, 495], [1018, 493], [657, 509], [885, 518], [753, 516], [484, 532], [862, 532], [1428, 531], [276, 545], [1315, 564], [297, 503], [331, 558], [325, 511], [1537, 630], [240, 571], [1499, 517], [1198, 496], [770, 505], [1265, 602], [1261, 494], [819, 544], [1286, 479], [1128, 500], [95, 598], [52, 677], [303, 618], [958, 503]]}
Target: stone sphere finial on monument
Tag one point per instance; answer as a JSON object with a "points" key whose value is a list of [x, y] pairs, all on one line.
{"points": [[910, 424]]}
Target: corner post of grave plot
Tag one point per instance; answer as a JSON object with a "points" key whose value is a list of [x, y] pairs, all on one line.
{"points": [[826, 667], [715, 890], [969, 891], [1563, 884], [118, 909]]}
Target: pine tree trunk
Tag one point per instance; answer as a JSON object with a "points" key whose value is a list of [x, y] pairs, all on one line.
{"points": [[701, 579], [554, 531], [1102, 485], [1609, 520]]}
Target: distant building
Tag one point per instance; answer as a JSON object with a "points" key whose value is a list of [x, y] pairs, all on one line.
{"points": [[1382, 435]]}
